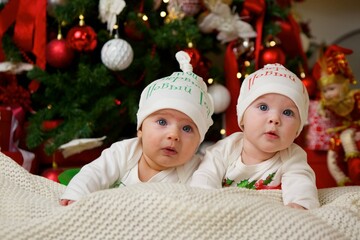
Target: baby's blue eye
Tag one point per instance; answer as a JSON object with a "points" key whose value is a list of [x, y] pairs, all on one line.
{"points": [[263, 107], [288, 112], [187, 128], [161, 122]]}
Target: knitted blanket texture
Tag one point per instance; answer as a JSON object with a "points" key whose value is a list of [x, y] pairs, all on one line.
{"points": [[29, 209]]}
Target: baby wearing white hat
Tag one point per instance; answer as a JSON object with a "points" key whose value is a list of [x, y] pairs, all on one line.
{"points": [[272, 110], [173, 117]]}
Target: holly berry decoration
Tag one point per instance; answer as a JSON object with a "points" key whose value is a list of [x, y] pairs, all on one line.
{"points": [[117, 54], [82, 37], [58, 53]]}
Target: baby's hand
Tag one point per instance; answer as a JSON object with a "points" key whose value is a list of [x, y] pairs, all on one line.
{"points": [[65, 202], [295, 205]]}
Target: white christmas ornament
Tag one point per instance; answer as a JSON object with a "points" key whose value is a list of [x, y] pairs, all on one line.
{"points": [[220, 96], [117, 54]]}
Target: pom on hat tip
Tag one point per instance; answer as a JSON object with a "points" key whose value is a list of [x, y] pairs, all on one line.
{"points": [[184, 60]]}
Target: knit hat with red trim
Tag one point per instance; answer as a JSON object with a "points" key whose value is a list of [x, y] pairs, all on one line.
{"points": [[273, 78]]}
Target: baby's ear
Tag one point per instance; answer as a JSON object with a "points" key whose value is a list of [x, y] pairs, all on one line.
{"points": [[241, 124], [139, 133]]}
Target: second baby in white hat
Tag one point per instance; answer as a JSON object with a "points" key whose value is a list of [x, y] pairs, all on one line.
{"points": [[272, 110]]}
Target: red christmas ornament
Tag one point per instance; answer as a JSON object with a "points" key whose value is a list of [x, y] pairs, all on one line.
{"points": [[133, 32], [49, 125], [194, 56], [202, 69], [82, 38], [272, 55], [310, 85], [58, 54], [52, 174]]}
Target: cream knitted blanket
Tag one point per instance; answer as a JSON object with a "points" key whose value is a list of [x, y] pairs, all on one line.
{"points": [[29, 209]]}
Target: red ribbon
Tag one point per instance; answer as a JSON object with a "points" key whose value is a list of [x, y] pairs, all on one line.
{"points": [[290, 40], [29, 17], [6, 19], [257, 8], [233, 85]]}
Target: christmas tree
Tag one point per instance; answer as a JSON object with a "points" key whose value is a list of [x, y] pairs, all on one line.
{"points": [[94, 58]]}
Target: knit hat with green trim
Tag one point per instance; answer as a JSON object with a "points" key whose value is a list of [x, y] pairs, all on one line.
{"points": [[182, 91]]}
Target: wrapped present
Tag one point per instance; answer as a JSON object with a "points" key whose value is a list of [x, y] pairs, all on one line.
{"points": [[75, 153], [11, 120], [316, 135], [11, 127], [57, 159]]}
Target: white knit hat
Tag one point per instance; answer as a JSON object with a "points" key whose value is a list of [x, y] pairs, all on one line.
{"points": [[273, 78], [182, 91]]}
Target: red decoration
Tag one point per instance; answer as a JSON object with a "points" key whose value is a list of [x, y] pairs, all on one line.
{"points": [[284, 3], [233, 85], [334, 62], [272, 55], [11, 121], [289, 37], [132, 32], [255, 10], [50, 124], [310, 85], [15, 94], [200, 64], [52, 174], [194, 55], [82, 38], [202, 69], [11, 132], [29, 29], [58, 54]]}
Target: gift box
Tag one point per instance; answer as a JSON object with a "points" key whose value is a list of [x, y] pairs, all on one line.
{"points": [[76, 160], [11, 131], [11, 120]]}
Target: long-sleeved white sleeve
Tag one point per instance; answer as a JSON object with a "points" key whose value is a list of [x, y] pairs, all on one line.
{"points": [[298, 179], [217, 157], [104, 171]]}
